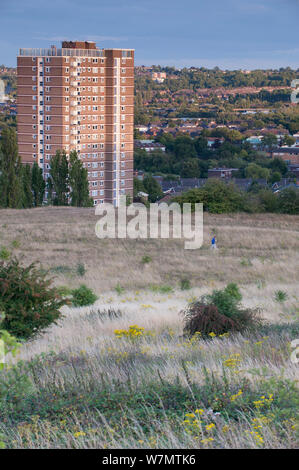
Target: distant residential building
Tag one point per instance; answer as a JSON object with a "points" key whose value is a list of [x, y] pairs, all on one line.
{"points": [[221, 172], [214, 141], [295, 170], [141, 128], [288, 154], [142, 196], [138, 174], [158, 77], [255, 140], [79, 97], [283, 184], [149, 145]]}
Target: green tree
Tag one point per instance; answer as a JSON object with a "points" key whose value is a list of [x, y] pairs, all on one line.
{"points": [[288, 201], [275, 177], [11, 193], [288, 140], [27, 186], [153, 188], [268, 201], [277, 164], [190, 169], [49, 187], [38, 185], [138, 186], [78, 182], [269, 141], [256, 171], [59, 173], [217, 197]]}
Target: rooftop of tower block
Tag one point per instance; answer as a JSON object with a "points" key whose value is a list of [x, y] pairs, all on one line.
{"points": [[71, 49], [78, 45]]}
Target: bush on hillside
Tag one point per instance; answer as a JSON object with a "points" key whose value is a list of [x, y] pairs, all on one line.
{"points": [[288, 201], [83, 296], [219, 312], [206, 319], [28, 301], [217, 197]]}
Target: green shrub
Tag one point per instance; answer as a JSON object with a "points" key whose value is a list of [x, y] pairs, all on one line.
{"points": [[81, 270], [119, 289], [61, 269], [163, 289], [288, 201], [4, 253], [233, 290], [10, 344], [15, 244], [185, 284], [146, 259], [27, 299], [280, 296], [219, 313], [217, 197], [246, 262], [206, 319], [64, 291], [83, 296]]}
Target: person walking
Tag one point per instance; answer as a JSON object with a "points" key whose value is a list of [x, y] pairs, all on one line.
{"points": [[213, 243]]}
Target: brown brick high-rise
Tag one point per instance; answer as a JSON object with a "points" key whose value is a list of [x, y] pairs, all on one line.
{"points": [[79, 98]]}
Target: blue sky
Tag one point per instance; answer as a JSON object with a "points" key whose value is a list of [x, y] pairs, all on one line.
{"points": [[230, 34]]}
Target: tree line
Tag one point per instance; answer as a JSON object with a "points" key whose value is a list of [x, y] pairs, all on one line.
{"points": [[192, 158], [23, 186], [219, 197]]}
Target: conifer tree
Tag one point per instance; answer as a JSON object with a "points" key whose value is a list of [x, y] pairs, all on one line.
{"points": [[50, 191], [11, 186], [38, 185], [59, 173], [78, 183], [27, 188]]}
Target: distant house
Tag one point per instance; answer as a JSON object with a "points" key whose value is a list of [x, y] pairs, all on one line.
{"points": [[176, 188], [283, 184], [221, 172], [215, 140], [149, 145], [288, 154], [295, 170], [244, 184], [142, 196], [158, 77], [141, 128], [180, 185], [138, 174], [254, 140]]}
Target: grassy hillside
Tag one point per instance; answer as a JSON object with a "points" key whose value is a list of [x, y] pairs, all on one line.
{"points": [[81, 385], [252, 249]]}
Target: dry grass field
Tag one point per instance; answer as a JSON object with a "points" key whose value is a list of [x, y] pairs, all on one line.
{"points": [[80, 386], [252, 249]]}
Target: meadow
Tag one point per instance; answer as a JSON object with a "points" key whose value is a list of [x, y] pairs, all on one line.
{"points": [[120, 373]]}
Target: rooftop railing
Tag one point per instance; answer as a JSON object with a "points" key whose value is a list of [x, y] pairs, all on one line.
{"points": [[53, 52], [66, 52]]}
